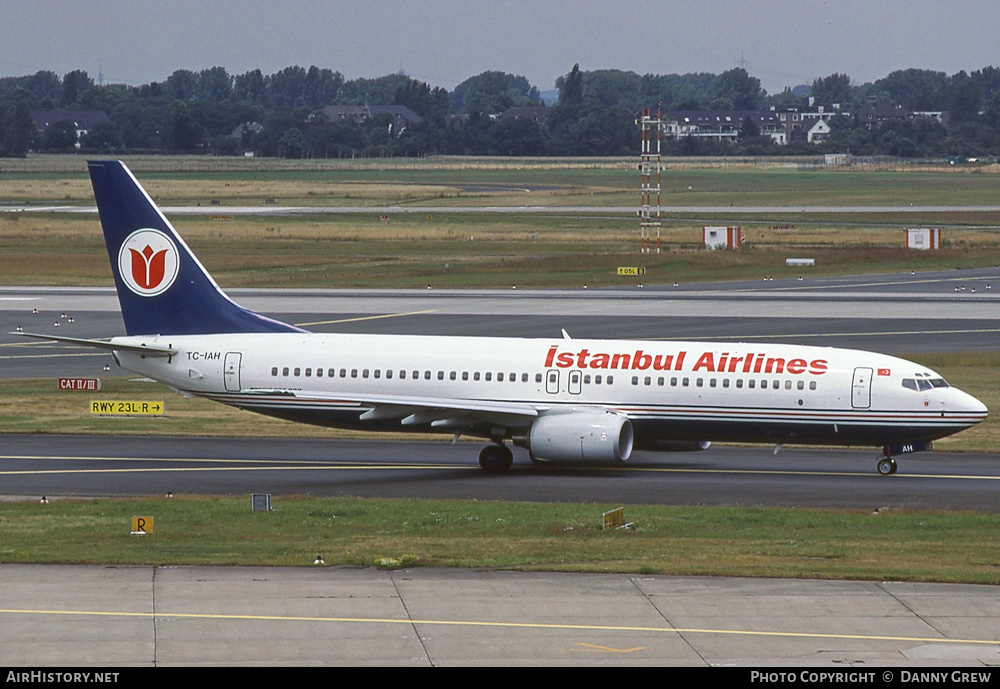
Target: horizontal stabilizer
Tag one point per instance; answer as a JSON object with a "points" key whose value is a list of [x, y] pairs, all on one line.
{"points": [[145, 350]]}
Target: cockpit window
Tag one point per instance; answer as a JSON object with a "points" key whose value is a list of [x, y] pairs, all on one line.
{"points": [[921, 384]]}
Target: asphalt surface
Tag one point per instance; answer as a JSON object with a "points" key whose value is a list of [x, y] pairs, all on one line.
{"points": [[126, 466], [130, 617]]}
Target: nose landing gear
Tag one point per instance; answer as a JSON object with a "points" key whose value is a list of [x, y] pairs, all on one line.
{"points": [[886, 466]]}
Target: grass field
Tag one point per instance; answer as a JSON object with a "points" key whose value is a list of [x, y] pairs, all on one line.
{"points": [[760, 542], [417, 249], [466, 250]]}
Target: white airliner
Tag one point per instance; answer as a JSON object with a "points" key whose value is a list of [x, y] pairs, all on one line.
{"points": [[563, 399]]}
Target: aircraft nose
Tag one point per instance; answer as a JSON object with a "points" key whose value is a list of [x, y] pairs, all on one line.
{"points": [[967, 404]]}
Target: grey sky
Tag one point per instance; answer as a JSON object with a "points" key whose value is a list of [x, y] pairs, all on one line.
{"points": [[443, 42]]}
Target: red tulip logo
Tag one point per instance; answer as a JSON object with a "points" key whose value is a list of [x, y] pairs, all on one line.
{"points": [[148, 262], [148, 266]]}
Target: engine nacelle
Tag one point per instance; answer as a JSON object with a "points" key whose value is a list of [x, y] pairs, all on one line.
{"points": [[589, 435]]}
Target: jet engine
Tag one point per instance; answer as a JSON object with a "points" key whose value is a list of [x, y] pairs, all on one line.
{"points": [[587, 435]]}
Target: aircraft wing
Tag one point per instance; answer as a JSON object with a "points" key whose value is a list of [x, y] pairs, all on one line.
{"points": [[446, 414]]}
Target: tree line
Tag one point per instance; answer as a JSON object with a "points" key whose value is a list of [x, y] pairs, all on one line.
{"points": [[198, 112]]}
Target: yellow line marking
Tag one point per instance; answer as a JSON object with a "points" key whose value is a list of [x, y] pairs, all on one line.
{"points": [[368, 318], [502, 625], [613, 650], [346, 467], [53, 356]]}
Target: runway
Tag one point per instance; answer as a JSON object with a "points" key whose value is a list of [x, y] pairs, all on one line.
{"points": [[940, 311], [127, 466]]}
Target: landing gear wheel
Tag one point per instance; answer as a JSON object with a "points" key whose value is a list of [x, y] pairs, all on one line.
{"points": [[886, 466], [495, 459]]}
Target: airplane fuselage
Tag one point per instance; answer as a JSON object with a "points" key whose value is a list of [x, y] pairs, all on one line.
{"points": [[668, 390]]}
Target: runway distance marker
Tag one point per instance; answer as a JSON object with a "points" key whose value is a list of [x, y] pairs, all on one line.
{"points": [[127, 407], [141, 525]]}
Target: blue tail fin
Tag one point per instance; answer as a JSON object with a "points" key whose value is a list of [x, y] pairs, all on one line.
{"points": [[162, 288]]}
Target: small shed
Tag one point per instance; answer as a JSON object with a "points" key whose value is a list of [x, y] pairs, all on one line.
{"points": [[722, 237], [923, 238]]}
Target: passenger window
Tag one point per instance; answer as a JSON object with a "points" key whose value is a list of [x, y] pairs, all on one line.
{"points": [[388, 373], [378, 373], [524, 377], [699, 382], [812, 384], [343, 373], [788, 385], [465, 375], [427, 375], [725, 382], [319, 373], [500, 377], [354, 373], [635, 380], [739, 382], [298, 372], [274, 371], [538, 378], [711, 383], [586, 380], [751, 383], [364, 373], [660, 381], [647, 381], [673, 382], [440, 375], [597, 380], [611, 380], [331, 373], [309, 373], [489, 376], [452, 376], [801, 385]]}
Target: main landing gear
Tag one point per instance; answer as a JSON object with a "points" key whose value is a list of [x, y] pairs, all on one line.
{"points": [[496, 458]]}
